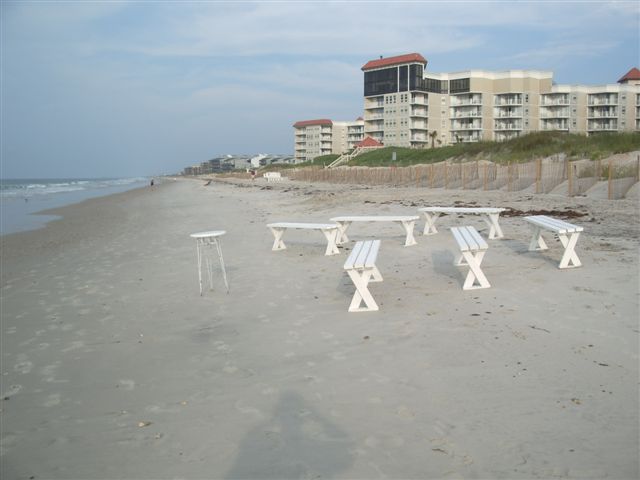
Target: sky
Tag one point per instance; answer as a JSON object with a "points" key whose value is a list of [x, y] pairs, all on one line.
{"points": [[136, 88]]}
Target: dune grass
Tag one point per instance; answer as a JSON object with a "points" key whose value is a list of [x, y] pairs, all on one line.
{"points": [[521, 149]]}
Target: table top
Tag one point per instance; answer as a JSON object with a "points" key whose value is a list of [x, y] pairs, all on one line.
{"points": [[211, 233], [319, 226], [375, 218], [462, 209]]}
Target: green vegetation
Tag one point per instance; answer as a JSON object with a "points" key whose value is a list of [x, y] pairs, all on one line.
{"points": [[521, 149], [318, 162]]}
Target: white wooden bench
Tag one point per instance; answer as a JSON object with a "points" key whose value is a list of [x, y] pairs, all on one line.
{"points": [[431, 214], [273, 176], [330, 231], [407, 222], [472, 249], [361, 267], [566, 232]]}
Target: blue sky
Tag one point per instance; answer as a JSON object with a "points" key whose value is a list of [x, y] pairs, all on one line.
{"points": [[108, 89]]}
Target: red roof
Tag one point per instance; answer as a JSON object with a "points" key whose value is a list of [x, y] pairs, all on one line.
{"points": [[370, 142], [633, 74], [306, 123], [385, 62]]}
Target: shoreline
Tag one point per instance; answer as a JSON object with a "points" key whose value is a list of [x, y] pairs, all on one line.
{"points": [[22, 217], [115, 366]]}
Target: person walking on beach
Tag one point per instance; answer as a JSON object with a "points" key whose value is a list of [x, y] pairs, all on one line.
{"points": [[152, 182]]}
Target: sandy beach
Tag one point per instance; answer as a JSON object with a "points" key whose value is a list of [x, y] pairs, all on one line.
{"points": [[113, 365]]}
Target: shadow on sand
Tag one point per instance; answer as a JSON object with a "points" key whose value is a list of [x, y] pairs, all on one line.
{"points": [[297, 442]]}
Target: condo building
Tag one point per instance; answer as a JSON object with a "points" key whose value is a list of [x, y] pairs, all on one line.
{"points": [[406, 106], [314, 138]]}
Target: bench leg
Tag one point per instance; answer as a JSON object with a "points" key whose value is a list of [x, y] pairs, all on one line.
{"points": [[362, 294], [342, 232], [494, 228], [537, 243], [475, 273], [331, 235], [569, 258], [430, 223], [408, 228], [278, 244]]}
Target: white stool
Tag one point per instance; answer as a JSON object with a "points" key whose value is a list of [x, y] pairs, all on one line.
{"points": [[205, 241]]}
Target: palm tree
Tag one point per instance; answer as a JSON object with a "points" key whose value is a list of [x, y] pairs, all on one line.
{"points": [[433, 136]]}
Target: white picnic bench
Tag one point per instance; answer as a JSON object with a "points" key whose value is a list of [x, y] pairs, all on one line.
{"points": [[361, 267], [472, 249], [431, 214], [407, 222], [330, 231], [273, 176], [566, 232]]}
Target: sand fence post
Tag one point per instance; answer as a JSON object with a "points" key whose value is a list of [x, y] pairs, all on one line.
{"points": [[570, 179], [463, 171], [538, 174], [484, 179], [446, 175], [610, 181]]}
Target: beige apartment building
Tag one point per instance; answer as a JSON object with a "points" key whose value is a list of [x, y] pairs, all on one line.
{"points": [[405, 106], [314, 138]]}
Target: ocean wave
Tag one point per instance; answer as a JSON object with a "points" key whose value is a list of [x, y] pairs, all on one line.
{"points": [[30, 188]]}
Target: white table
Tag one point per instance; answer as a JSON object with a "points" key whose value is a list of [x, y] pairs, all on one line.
{"points": [[431, 214], [205, 242], [407, 222]]}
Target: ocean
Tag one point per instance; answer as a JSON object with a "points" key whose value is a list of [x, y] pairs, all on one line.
{"points": [[21, 199]]}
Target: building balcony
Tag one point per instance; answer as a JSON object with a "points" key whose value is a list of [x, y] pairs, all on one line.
{"points": [[551, 101], [419, 100], [602, 115], [507, 126], [466, 127], [602, 126], [469, 113], [501, 114], [418, 112], [457, 138], [604, 100], [502, 136], [464, 103], [418, 138], [554, 113], [553, 125], [507, 100]]}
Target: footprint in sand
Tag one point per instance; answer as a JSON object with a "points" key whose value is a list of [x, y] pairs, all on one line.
{"points": [[11, 391], [52, 400], [23, 367]]}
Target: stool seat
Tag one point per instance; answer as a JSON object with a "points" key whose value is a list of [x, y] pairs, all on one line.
{"points": [[212, 233], [205, 241]]}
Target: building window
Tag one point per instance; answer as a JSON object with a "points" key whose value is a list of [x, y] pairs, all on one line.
{"points": [[461, 85], [404, 78], [379, 82]]}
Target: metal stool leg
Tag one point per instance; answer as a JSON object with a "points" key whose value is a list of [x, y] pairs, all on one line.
{"points": [[224, 272], [199, 256]]}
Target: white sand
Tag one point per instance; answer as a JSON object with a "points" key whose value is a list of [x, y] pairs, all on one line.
{"points": [[114, 367]]}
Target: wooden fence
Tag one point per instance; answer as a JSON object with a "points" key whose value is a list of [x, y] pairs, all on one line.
{"points": [[614, 177]]}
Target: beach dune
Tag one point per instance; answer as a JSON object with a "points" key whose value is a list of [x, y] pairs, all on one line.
{"points": [[114, 366]]}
